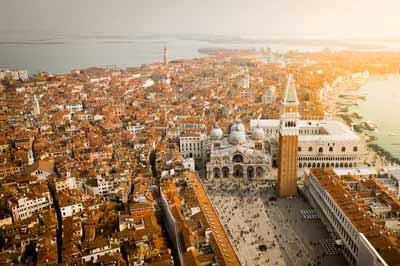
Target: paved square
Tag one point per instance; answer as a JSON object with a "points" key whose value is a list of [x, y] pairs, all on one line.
{"points": [[267, 230]]}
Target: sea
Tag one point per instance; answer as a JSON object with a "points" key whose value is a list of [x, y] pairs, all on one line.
{"points": [[382, 107], [59, 53]]}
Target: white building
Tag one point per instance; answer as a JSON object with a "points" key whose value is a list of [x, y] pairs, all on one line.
{"points": [[269, 95], [93, 250], [364, 242], [23, 75], [25, 206], [322, 143], [135, 128], [66, 183], [99, 186], [69, 209], [192, 146], [36, 107], [74, 107], [148, 83], [188, 164]]}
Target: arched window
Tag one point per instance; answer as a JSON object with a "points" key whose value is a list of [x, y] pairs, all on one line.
{"points": [[330, 149], [225, 172], [310, 149], [259, 171], [320, 150], [216, 173], [237, 158], [299, 149], [237, 171], [355, 148], [250, 172], [343, 149]]}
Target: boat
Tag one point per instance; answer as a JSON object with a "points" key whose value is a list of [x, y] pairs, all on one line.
{"points": [[392, 134]]}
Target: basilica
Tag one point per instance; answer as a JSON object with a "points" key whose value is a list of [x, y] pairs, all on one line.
{"points": [[239, 154]]}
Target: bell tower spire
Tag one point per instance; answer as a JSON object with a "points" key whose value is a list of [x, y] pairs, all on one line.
{"points": [[288, 141]]}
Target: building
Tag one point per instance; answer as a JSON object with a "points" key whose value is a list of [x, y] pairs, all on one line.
{"points": [[65, 184], [269, 95], [69, 205], [192, 145], [188, 164], [239, 155], [36, 107], [99, 186], [359, 214], [193, 225], [41, 169], [74, 107], [23, 75], [94, 250], [288, 142], [30, 201], [135, 128], [10, 169], [321, 143]]}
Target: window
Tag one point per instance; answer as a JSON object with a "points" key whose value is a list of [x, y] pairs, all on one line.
{"points": [[330, 149], [237, 158], [299, 149], [355, 148], [320, 150], [343, 149], [310, 149]]}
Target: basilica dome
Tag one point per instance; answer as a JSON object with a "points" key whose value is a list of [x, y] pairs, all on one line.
{"points": [[238, 126], [257, 133], [237, 137], [216, 133]]}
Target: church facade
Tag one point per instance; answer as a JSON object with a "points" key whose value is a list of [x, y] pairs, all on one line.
{"points": [[239, 155]]}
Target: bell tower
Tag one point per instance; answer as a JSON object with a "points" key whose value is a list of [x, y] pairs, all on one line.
{"points": [[288, 141], [165, 55]]}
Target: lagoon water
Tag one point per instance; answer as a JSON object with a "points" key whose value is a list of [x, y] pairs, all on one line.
{"points": [[65, 55], [382, 107], [60, 54]]}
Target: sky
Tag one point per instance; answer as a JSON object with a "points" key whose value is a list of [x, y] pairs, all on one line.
{"points": [[246, 18]]}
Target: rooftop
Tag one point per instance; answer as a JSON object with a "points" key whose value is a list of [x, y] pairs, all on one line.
{"points": [[353, 203]]}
